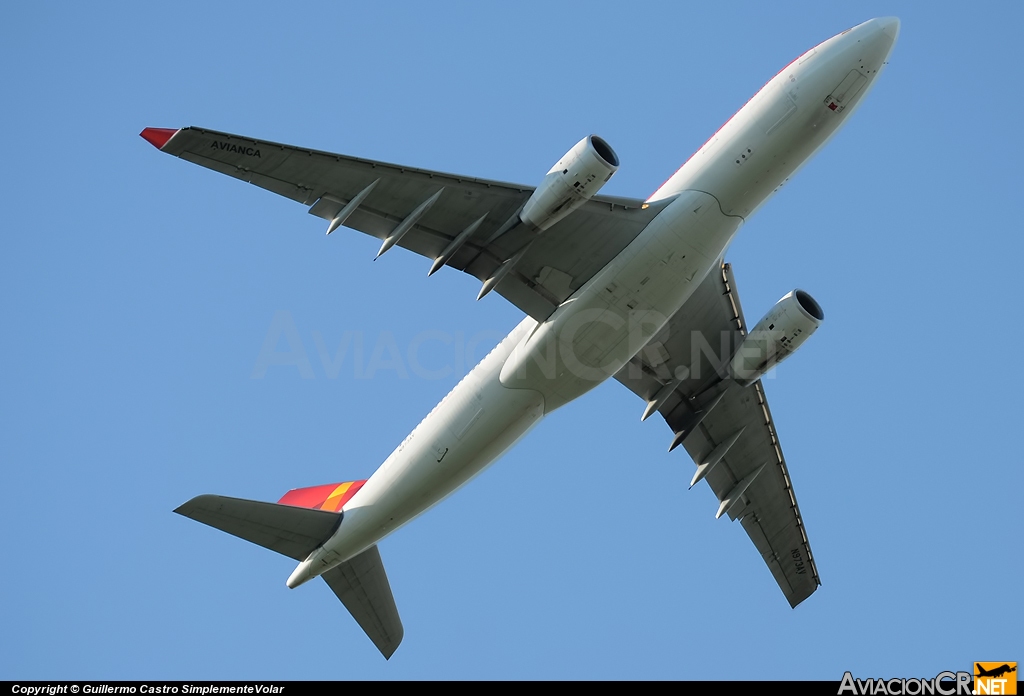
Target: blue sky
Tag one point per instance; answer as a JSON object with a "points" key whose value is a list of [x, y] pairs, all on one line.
{"points": [[136, 292]]}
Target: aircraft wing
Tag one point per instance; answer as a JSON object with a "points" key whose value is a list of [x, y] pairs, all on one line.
{"points": [[701, 338], [561, 259]]}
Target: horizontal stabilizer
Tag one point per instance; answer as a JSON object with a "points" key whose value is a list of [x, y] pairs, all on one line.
{"points": [[292, 531], [362, 586]]}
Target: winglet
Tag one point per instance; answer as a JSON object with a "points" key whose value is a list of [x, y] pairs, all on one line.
{"points": [[158, 137]]}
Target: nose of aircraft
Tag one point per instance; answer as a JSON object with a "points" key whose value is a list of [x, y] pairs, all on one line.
{"points": [[887, 30], [889, 26], [879, 33], [883, 30]]}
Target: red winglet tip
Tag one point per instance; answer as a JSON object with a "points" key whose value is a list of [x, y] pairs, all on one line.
{"points": [[158, 137]]}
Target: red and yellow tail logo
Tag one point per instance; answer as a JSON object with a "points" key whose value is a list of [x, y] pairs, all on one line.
{"points": [[330, 497], [995, 678]]}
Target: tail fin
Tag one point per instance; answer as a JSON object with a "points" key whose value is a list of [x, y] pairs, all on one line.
{"points": [[331, 496], [360, 583]]}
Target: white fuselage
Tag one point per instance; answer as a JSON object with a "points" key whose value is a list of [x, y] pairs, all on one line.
{"points": [[539, 367]]}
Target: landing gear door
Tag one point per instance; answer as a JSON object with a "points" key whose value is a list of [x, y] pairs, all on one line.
{"points": [[846, 91]]}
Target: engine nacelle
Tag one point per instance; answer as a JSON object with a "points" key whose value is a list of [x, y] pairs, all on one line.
{"points": [[784, 329], [571, 182]]}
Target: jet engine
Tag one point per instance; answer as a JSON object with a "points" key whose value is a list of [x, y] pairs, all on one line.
{"points": [[571, 182], [784, 329]]}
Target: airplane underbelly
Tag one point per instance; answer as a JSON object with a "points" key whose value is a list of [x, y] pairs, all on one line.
{"points": [[471, 428], [776, 132], [594, 333], [452, 447]]}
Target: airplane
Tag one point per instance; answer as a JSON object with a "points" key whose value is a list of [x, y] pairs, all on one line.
{"points": [[635, 289], [996, 671]]}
